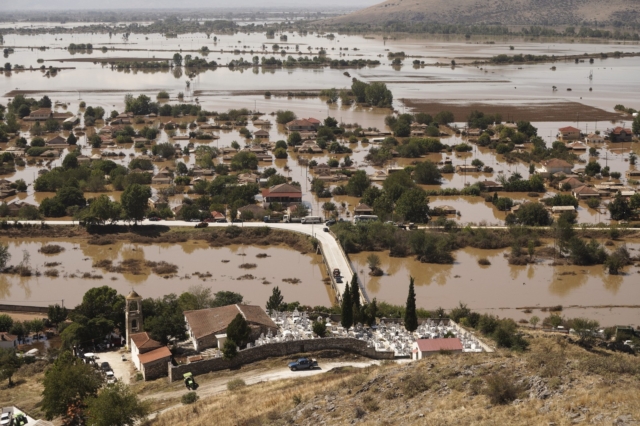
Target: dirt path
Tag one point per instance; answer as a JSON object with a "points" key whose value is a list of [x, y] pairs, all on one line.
{"points": [[217, 386]]}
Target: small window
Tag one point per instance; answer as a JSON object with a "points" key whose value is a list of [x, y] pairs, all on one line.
{"points": [[134, 324]]}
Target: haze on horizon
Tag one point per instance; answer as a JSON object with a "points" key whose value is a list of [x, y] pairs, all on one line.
{"points": [[60, 5]]}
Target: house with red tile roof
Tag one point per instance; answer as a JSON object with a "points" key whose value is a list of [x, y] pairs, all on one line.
{"points": [[426, 347], [284, 193], [569, 133], [620, 134]]}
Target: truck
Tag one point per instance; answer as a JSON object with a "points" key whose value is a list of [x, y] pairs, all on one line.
{"points": [[303, 364], [271, 219], [311, 219], [288, 219]]}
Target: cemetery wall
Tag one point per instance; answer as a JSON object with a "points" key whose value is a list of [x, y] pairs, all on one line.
{"points": [[258, 353]]}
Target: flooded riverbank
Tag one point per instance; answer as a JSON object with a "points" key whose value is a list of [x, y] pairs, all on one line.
{"points": [[81, 266], [500, 288]]}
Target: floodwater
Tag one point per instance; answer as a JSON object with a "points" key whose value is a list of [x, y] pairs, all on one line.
{"points": [[500, 288], [221, 264]]}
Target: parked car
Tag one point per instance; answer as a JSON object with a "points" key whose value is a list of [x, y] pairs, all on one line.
{"points": [[222, 221], [330, 222], [194, 220], [105, 366], [111, 378], [154, 219], [303, 364], [5, 419]]}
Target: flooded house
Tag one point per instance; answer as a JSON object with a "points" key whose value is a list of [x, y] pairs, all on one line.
{"points": [[261, 134], [492, 186], [57, 141], [577, 146], [42, 114], [584, 192], [570, 182], [163, 177], [466, 168], [303, 125], [555, 165], [594, 138], [284, 193], [632, 173], [378, 176], [620, 134], [569, 133]]}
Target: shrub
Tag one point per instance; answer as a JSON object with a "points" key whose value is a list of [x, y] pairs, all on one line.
{"points": [[235, 384], [484, 261], [189, 398], [163, 95], [501, 389], [51, 249]]}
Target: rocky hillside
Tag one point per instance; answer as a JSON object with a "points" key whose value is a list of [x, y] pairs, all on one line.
{"points": [[554, 382], [495, 12]]}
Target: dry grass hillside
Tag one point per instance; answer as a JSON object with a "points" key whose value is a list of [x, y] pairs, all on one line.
{"points": [[554, 382], [504, 12]]}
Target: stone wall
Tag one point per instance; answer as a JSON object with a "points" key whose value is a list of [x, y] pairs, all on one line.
{"points": [[258, 353]]}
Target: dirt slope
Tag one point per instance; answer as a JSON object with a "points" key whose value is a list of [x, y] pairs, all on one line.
{"points": [[504, 12]]}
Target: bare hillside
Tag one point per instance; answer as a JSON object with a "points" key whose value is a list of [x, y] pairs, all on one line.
{"points": [[504, 12]]}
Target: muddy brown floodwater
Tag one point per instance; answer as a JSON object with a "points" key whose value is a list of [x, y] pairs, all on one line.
{"points": [[499, 288], [219, 269]]}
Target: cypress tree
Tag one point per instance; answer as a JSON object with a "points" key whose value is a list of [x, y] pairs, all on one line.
{"points": [[355, 300], [347, 309], [410, 316], [275, 300]]}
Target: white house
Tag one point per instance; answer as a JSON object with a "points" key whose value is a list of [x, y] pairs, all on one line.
{"points": [[425, 347], [141, 343], [8, 341], [554, 165]]}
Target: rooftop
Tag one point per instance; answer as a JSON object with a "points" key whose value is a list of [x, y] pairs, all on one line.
{"points": [[154, 355], [204, 322]]}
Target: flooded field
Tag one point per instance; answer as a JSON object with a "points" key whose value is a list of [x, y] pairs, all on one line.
{"points": [[81, 266], [500, 288]]}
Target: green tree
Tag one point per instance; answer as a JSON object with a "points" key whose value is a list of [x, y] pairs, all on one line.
{"points": [[67, 383], [72, 140], [103, 210], [177, 59], [533, 214], [275, 300], [354, 289], [238, 330], [4, 255], [101, 302], [6, 323], [319, 328], [413, 205], [397, 183], [427, 173], [9, 364], [57, 314], [229, 349], [585, 329], [135, 199], [294, 139], [534, 320], [164, 318], [346, 308], [224, 298], [410, 315], [116, 405], [358, 183], [244, 160], [284, 117], [619, 208], [635, 127]]}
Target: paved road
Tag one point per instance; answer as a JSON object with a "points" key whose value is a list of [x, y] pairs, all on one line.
{"points": [[333, 253]]}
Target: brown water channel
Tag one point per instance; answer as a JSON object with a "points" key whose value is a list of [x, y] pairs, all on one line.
{"points": [[218, 268]]}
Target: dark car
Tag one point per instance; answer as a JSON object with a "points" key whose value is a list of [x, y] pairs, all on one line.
{"points": [[303, 364], [154, 219], [105, 366], [221, 221], [330, 222], [325, 229], [194, 220], [338, 279]]}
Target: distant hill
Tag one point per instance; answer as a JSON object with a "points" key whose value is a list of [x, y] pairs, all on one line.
{"points": [[496, 12]]}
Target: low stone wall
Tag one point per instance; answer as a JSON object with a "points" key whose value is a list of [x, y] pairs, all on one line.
{"points": [[258, 353], [25, 308]]}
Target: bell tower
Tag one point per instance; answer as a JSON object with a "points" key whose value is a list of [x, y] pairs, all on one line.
{"points": [[133, 315]]}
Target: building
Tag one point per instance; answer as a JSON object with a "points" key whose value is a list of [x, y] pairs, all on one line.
{"points": [[261, 134], [218, 216], [571, 182], [133, 314], [554, 165], [491, 186], [204, 324], [154, 364], [42, 114], [8, 341], [57, 141], [157, 201], [569, 133], [426, 347], [577, 146], [466, 168], [141, 343], [620, 134], [284, 193], [303, 124], [584, 192], [632, 173], [162, 178], [362, 209], [562, 209], [594, 138], [251, 211], [14, 208]]}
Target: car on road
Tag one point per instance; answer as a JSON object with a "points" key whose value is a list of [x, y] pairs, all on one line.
{"points": [[325, 229], [194, 220], [222, 221], [336, 272], [5, 419], [105, 366], [330, 222], [154, 219], [237, 221], [303, 364], [338, 279]]}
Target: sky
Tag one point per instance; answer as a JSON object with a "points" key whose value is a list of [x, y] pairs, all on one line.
{"points": [[37, 5]]}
